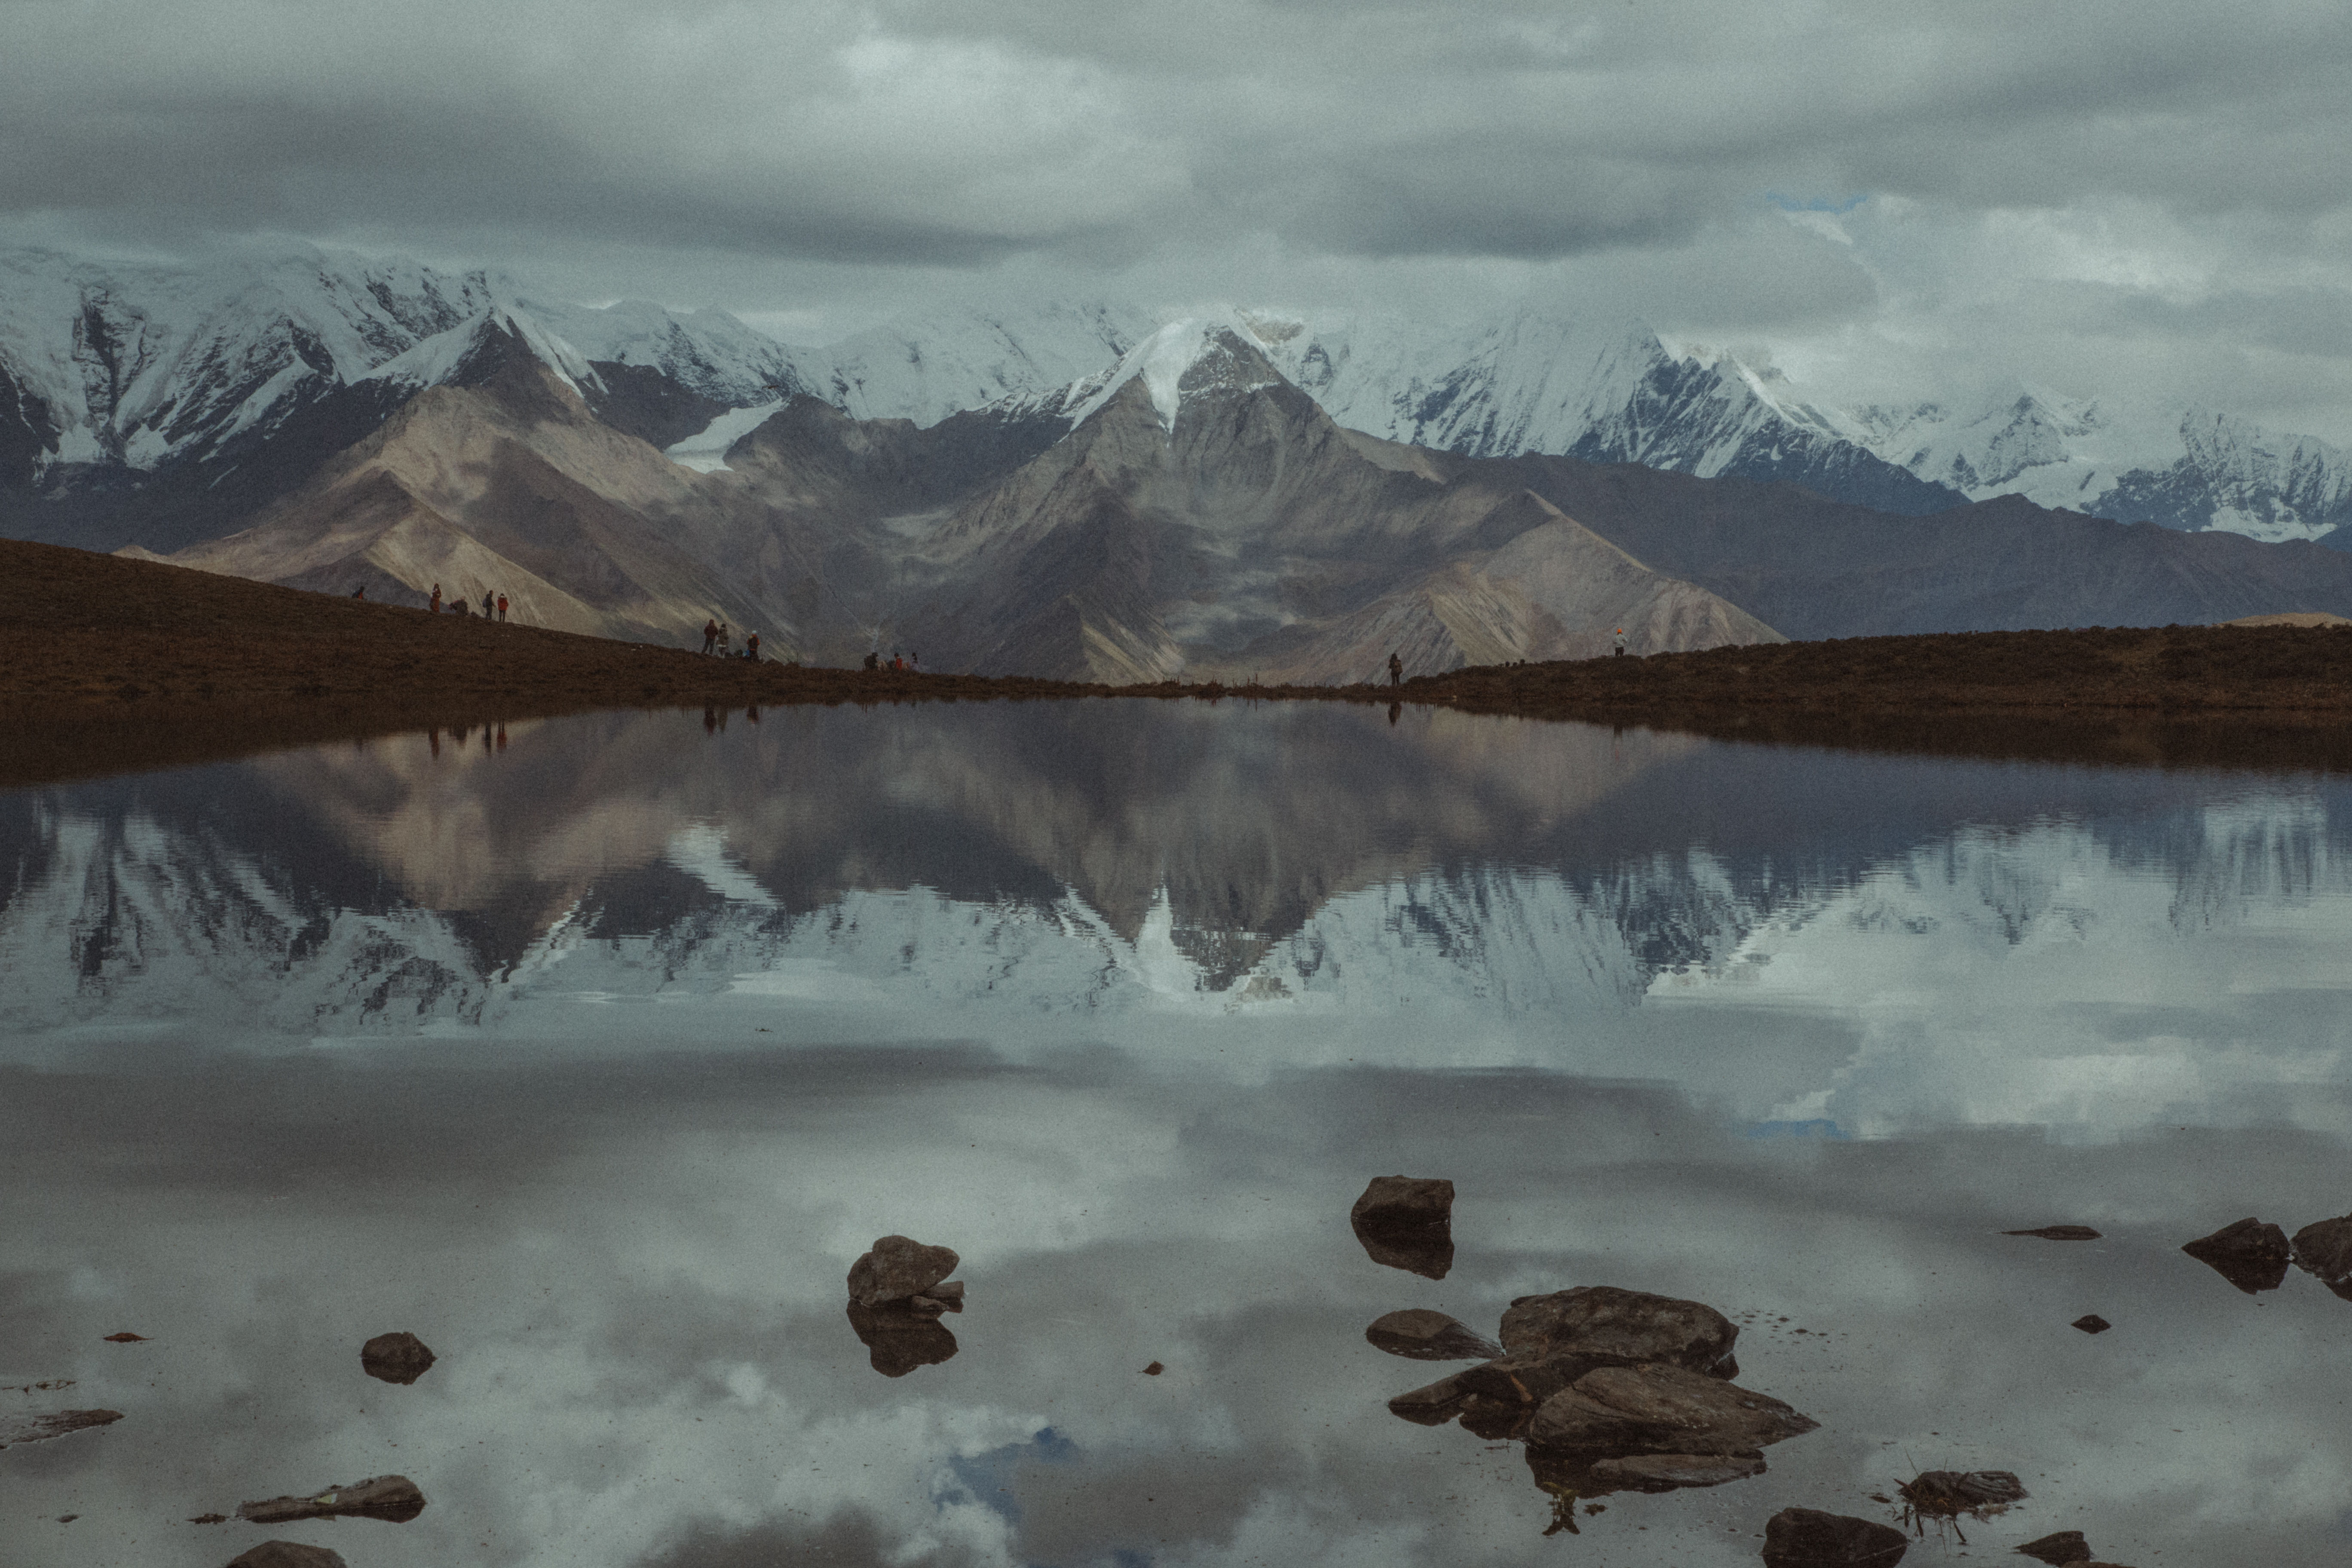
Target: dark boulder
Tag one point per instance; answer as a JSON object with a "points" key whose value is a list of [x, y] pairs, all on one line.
{"points": [[2091, 1323], [1623, 1327], [288, 1554], [2059, 1233], [1406, 1222], [2323, 1250], [898, 1338], [1424, 1335], [393, 1498], [899, 1269], [2252, 1253], [2062, 1550], [1807, 1538], [400, 1358]]}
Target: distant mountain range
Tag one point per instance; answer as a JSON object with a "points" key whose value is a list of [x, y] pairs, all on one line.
{"points": [[1086, 491]]}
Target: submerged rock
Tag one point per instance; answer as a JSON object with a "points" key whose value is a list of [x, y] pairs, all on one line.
{"points": [[1671, 1472], [1661, 1409], [899, 1269], [2252, 1253], [400, 1358], [2323, 1250], [2061, 1550], [45, 1425], [898, 1338], [288, 1554], [1623, 1327], [2091, 1323], [1424, 1335], [1807, 1538], [393, 1498], [2059, 1233], [1406, 1222], [1947, 1494], [1432, 1405]]}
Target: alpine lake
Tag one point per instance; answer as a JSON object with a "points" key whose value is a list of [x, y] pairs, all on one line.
{"points": [[595, 1052]]}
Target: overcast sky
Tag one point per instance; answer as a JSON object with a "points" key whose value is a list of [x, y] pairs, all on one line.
{"points": [[2148, 198]]}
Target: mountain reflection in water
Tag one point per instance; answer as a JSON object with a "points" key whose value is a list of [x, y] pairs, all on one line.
{"points": [[593, 1059]]}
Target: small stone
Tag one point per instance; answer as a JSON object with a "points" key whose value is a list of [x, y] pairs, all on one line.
{"points": [[1421, 1335], [48, 1423], [208, 1518], [1154, 1370], [2092, 1323], [126, 1338], [1807, 1538], [288, 1554], [2059, 1233], [2060, 1551], [68, 1518], [400, 1358], [393, 1498], [899, 1268], [2252, 1253], [1432, 1405]]}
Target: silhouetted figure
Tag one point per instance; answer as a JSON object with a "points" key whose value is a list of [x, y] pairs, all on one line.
{"points": [[1621, 642], [502, 606], [489, 605], [874, 660], [360, 591], [1396, 670], [709, 636], [1395, 708], [752, 647], [436, 598]]}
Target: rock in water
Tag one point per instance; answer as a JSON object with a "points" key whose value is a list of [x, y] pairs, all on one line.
{"points": [[2059, 1233], [2091, 1323], [2062, 1550], [1424, 1335], [48, 1423], [2251, 1254], [1623, 1327], [1433, 1404], [1671, 1472], [1807, 1538], [1947, 1494], [393, 1498], [288, 1554], [2323, 1250], [899, 1339], [899, 1269], [400, 1358], [1660, 1409], [1406, 1222]]}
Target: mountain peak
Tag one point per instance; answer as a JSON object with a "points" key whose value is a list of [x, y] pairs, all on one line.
{"points": [[1181, 361]]}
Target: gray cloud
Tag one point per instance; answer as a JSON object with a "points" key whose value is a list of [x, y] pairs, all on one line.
{"points": [[819, 165]]}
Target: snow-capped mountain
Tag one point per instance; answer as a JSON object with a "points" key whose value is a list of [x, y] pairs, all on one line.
{"points": [[2187, 469]]}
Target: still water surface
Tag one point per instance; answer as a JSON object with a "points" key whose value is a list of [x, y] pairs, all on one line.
{"points": [[593, 1052]]}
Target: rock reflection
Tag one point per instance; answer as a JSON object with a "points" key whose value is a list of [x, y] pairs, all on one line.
{"points": [[1612, 1390], [1406, 1222], [2324, 1251], [2251, 1254], [898, 1292], [898, 1340]]}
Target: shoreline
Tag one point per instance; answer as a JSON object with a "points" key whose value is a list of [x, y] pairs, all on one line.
{"points": [[109, 665]]}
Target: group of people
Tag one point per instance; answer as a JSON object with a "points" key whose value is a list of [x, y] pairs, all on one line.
{"points": [[897, 660], [494, 605], [718, 640]]}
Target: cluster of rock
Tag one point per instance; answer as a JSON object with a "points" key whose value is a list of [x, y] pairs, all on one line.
{"points": [[2253, 1254], [898, 1292], [1611, 1389]]}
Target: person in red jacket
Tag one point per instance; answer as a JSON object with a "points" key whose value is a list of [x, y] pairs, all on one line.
{"points": [[502, 606], [436, 598]]}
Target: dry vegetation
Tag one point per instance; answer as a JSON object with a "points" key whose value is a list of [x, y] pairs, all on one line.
{"points": [[108, 664]]}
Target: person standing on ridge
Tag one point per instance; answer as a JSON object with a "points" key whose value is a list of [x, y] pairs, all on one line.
{"points": [[490, 605], [1396, 670], [752, 647], [1621, 642], [436, 598], [709, 635], [502, 606]]}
